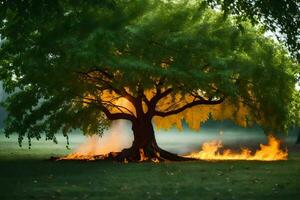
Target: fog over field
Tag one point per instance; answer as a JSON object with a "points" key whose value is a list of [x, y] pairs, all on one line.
{"points": [[180, 142]]}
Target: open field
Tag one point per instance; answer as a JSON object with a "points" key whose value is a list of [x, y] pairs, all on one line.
{"points": [[28, 174]]}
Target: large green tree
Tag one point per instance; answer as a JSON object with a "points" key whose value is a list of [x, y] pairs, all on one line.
{"points": [[80, 64]]}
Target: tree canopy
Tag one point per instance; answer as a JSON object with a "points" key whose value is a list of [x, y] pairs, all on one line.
{"points": [[280, 16], [80, 64]]}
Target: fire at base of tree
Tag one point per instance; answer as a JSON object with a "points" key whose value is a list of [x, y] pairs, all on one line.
{"points": [[212, 150], [269, 152]]}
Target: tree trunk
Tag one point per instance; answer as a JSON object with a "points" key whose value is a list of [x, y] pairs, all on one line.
{"points": [[144, 146], [144, 138]]}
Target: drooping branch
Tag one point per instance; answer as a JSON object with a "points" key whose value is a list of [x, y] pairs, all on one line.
{"points": [[188, 105], [106, 79], [109, 115], [119, 107], [115, 116]]}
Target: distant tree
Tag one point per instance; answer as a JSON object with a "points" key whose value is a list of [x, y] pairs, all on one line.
{"points": [[82, 64], [279, 16], [294, 114], [2, 117], [2, 111], [298, 138]]}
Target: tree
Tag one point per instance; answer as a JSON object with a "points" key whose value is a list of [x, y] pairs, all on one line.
{"points": [[2, 116], [298, 138], [294, 113], [82, 64], [281, 16], [2, 111]]}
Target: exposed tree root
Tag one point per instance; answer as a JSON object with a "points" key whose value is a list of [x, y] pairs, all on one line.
{"points": [[133, 155]]}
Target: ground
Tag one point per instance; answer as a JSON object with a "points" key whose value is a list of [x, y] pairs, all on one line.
{"points": [[28, 174]]}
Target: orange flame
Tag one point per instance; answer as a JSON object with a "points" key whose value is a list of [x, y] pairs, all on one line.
{"points": [[97, 147], [86, 151], [268, 152]]}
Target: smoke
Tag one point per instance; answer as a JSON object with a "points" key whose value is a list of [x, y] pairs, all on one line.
{"points": [[115, 139]]}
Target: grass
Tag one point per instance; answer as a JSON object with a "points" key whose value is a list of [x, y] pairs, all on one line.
{"points": [[28, 174]]}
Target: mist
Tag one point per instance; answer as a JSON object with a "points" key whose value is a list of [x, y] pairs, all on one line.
{"points": [[120, 136]]}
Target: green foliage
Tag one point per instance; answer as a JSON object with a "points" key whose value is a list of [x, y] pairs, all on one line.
{"points": [[294, 111], [47, 43], [280, 16]]}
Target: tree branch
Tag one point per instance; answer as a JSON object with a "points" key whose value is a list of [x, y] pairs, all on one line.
{"points": [[189, 105], [106, 81], [159, 96], [155, 99], [109, 115], [118, 107], [115, 116]]}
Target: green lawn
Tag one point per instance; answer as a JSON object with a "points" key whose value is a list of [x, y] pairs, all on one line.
{"points": [[27, 174]]}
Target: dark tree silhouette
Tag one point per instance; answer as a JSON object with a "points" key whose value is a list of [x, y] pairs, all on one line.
{"points": [[298, 138]]}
